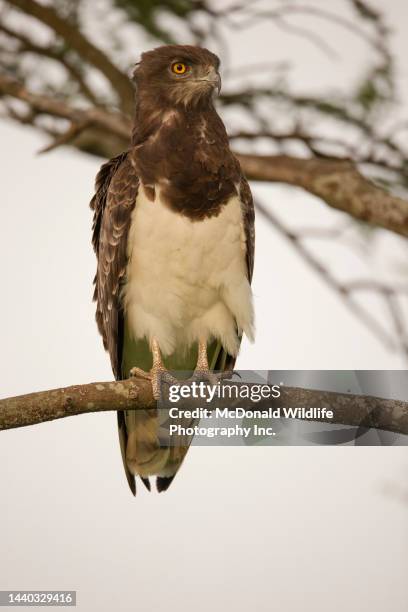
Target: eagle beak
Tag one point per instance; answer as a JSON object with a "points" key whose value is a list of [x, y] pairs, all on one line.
{"points": [[218, 83], [214, 78]]}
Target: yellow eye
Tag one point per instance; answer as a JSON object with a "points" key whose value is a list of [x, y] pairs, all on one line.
{"points": [[179, 68]]}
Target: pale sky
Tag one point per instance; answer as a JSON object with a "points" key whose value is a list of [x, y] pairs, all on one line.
{"points": [[283, 528]]}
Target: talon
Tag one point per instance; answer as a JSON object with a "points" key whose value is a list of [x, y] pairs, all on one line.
{"points": [[153, 376], [162, 375], [139, 373], [168, 378], [156, 375], [212, 377], [228, 374]]}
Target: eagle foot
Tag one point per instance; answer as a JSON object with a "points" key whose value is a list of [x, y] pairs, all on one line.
{"points": [[207, 375], [157, 375]]}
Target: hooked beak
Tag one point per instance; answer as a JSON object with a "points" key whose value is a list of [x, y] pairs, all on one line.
{"points": [[212, 77], [215, 79], [217, 84]]}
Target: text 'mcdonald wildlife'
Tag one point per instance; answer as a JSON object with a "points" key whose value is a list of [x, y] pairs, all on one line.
{"points": [[174, 237]]}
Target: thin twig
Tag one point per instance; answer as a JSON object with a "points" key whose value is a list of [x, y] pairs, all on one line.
{"points": [[116, 123], [67, 137], [85, 49], [345, 295], [28, 46]]}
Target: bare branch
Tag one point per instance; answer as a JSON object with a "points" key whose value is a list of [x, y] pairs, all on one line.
{"points": [[398, 322], [68, 136], [298, 134], [338, 183], [87, 51], [377, 287], [113, 122], [343, 291], [312, 37], [28, 46], [134, 394], [254, 17], [79, 399]]}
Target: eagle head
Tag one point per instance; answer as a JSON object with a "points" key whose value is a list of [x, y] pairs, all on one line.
{"points": [[178, 74]]}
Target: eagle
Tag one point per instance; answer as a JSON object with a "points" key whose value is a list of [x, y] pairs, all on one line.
{"points": [[173, 233]]}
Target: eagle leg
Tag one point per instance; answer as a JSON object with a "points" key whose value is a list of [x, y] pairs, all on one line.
{"points": [[202, 370], [202, 359], [157, 374]]}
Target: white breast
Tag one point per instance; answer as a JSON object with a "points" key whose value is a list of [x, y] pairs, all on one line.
{"points": [[186, 280]]}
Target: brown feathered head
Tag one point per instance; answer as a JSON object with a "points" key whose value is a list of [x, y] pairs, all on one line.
{"points": [[178, 74]]}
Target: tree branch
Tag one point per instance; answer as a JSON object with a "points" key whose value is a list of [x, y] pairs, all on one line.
{"points": [[336, 182], [85, 49], [28, 46], [345, 291], [78, 399], [113, 122], [133, 394]]}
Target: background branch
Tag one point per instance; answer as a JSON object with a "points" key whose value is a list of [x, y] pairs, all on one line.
{"points": [[347, 291], [338, 183], [91, 54], [58, 55]]}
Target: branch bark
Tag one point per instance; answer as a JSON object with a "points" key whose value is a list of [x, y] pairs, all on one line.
{"points": [[133, 394], [44, 406]]}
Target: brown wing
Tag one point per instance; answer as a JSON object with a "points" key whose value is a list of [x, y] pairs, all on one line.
{"points": [[248, 212], [223, 360], [116, 190], [115, 196]]}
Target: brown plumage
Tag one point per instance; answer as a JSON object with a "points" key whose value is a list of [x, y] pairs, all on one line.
{"points": [[179, 150]]}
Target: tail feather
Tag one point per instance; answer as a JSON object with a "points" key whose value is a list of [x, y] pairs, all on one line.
{"points": [[146, 483], [163, 482], [145, 450], [123, 444]]}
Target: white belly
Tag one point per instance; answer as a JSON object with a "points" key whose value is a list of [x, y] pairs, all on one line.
{"points": [[187, 280]]}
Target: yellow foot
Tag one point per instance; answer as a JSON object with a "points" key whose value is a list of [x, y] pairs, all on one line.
{"points": [[157, 375]]}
